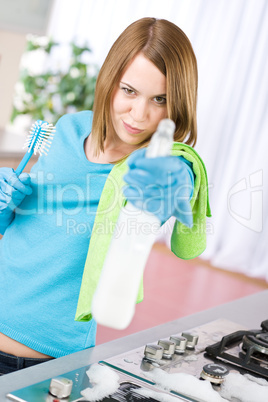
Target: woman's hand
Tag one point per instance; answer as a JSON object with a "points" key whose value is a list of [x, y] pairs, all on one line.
{"points": [[162, 186], [13, 190]]}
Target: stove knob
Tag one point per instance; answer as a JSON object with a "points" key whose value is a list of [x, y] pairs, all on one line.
{"points": [[61, 387], [148, 365], [191, 339], [180, 343], [153, 352], [214, 373], [169, 348]]}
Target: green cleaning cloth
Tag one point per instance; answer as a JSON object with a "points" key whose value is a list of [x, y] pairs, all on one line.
{"points": [[186, 242]]}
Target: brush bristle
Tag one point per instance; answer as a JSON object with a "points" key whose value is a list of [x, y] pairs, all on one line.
{"points": [[40, 137]]}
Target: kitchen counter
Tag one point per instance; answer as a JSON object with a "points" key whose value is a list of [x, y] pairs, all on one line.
{"points": [[248, 312]]}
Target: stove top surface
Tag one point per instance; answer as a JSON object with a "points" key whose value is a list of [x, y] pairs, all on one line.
{"points": [[134, 367]]}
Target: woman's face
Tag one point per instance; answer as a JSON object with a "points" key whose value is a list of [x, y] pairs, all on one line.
{"points": [[138, 103]]}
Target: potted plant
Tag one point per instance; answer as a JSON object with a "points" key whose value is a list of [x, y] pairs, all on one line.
{"points": [[46, 90]]}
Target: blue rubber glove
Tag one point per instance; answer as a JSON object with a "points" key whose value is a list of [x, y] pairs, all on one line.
{"points": [[13, 190], [162, 186]]}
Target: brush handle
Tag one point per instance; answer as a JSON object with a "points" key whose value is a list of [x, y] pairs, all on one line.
{"points": [[24, 162]]}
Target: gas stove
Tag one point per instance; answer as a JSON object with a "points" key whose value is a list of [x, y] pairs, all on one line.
{"points": [[208, 352]]}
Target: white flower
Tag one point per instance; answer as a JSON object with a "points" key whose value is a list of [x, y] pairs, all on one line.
{"points": [[70, 96], [74, 72]]}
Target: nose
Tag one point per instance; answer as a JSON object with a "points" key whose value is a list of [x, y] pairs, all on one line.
{"points": [[139, 110]]}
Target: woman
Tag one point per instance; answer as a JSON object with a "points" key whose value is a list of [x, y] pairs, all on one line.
{"points": [[150, 73], [169, 49]]}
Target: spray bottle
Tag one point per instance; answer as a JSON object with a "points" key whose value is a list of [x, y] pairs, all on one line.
{"points": [[114, 301]]}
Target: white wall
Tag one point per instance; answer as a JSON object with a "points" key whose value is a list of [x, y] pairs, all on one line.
{"points": [[17, 18], [9, 70]]}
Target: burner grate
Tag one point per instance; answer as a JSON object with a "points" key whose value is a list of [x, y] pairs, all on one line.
{"points": [[253, 359]]}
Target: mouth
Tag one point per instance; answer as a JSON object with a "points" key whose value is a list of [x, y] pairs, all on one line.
{"points": [[132, 130]]}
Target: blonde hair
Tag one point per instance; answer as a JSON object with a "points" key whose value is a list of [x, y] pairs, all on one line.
{"points": [[170, 50]]}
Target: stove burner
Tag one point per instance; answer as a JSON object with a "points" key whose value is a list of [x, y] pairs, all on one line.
{"points": [[214, 373], [255, 344]]}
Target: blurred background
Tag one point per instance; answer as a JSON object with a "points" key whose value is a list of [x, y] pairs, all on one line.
{"points": [[50, 54]]}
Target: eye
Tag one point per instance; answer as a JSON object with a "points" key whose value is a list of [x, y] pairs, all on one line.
{"points": [[160, 100], [128, 91]]}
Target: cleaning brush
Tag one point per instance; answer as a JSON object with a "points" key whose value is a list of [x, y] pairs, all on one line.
{"points": [[38, 141]]}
